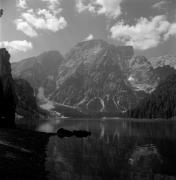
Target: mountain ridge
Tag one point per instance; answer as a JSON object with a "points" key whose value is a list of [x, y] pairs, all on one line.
{"points": [[98, 77], [39, 71], [91, 74]]}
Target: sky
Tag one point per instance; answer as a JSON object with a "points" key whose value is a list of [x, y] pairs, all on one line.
{"points": [[30, 27]]}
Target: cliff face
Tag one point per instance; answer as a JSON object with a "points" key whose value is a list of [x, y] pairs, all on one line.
{"points": [[39, 71], [27, 105], [167, 60], [144, 76], [94, 78], [7, 92], [141, 74], [99, 77], [161, 103]]}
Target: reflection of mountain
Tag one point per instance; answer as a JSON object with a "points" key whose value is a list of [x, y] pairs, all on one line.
{"points": [[145, 157], [106, 153], [145, 162]]}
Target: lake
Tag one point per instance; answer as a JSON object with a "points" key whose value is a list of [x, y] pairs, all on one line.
{"points": [[117, 149]]}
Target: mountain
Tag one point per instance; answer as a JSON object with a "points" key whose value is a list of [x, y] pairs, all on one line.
{"points": [[27, 103], [141, 74], [97, 77], [161, 103], [40, 71], [144, 76], [8, 99], [16, 95], [94, 78], [167, 60]]}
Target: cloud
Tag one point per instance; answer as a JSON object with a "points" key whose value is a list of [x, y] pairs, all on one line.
{"points": [[16, 46], [23, 26], [21, 4], [54, 5], [145, 34], [109, 8], [48, 18], [1, 12], [44, 20], [171, 31], [159, 5], [89, 37]]}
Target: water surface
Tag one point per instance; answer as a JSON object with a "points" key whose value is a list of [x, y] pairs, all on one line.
{"points": [[117, 149]]}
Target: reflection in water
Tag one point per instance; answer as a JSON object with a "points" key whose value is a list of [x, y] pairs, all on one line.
{"points": [[102, 133], [116, 149], [145, 161]]}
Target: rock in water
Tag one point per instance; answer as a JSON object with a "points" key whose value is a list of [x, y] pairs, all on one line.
{"points": [[77, 133], [64, 133], [7, 92]]}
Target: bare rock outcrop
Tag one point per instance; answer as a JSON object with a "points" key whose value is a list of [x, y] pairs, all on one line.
{"points": [[94, 77], [8, 98]]}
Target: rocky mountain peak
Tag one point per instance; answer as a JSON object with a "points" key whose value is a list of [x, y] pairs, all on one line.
{"points": [[137, 61], [85, 49], [93, 55], [161, 61], [95, 73], [5, 68], [141, 74]]}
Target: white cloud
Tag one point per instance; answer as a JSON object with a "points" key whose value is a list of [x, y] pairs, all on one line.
{"points": [[16, 46], [110, 8], [82, 7], [159, 4], [145, 34], [48, 18], [23, 26], [54, 5], [21, 4], [89, 37], [171, 31], [45, 20]]}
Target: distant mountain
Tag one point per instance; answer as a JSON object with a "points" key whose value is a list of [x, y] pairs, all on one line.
{"points": [[40, 71], [161, 103], [167, 60], [94, 78], [144, 76], [141, 74]]}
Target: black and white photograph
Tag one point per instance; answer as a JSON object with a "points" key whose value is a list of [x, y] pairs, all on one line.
{"points": [[87, 89]]}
